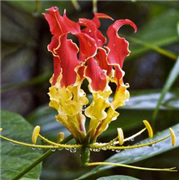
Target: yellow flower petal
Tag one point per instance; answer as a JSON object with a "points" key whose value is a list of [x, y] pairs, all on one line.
{"points": [[119, 99], [97, 109]]}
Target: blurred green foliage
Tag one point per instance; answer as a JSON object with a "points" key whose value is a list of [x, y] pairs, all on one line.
{"points": [[27, 66]]}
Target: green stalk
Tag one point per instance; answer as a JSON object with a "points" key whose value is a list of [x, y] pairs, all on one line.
{"points": [[85, 156], [37, 7], [40, 159], [76, 4]]}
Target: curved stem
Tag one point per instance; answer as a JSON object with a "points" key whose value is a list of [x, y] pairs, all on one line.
{"points": [[139, 145], [135, 135], [54, 146], [129, 147], [115, 142], [132, 167], [60, 145], [40, 159]]}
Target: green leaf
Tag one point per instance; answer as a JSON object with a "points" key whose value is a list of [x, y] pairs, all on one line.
{"points": [[148, 100], [156, 48], [35, 80], [156, 32], [17, 26], [117, 178], [170, 80], [134, 155], [15, 158], [172, 3], [36, 7], [44, 116]]}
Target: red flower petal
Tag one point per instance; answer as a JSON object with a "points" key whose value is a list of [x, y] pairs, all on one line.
{"points": [[98, 16], [57, 69], [53, 44], [97, 76], [55, 21], [60, 25], [101, 57], [81, 71], [56, 61], [92, 30], [118, 46], [71, 26], [87, 46], [67, 52]]}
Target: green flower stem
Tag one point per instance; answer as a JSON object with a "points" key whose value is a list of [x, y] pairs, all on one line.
{"points": [[95, 8], [35, 163], [76, 5], [85, 156], [37, 7]]}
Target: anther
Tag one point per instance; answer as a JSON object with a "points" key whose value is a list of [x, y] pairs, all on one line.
{"points": [[60, 137], [172, 133], [120, 136], [149, 128], [1, 129], [35, 134]]}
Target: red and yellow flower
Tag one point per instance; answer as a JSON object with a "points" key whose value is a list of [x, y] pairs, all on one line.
{"points": [[99, 64], [91, 60]]}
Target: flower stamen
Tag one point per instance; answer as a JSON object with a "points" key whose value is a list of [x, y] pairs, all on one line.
{"points": [[60, 137], [120, 136], [149, 128], [115, 142], [135, 135], [35, 134], [128, 147], [55, 146], [172, 136], [139, 145]]}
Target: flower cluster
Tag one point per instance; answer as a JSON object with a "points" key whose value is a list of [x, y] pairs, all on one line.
{"points": [[94, 60]]}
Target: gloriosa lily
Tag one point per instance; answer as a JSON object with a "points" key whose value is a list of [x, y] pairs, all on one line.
{"points": [[93, 61], [99, 65]]}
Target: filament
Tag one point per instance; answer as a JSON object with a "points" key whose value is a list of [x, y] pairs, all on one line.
{"points": [[173, 169], [43, 146], [135, 135], [128, 147], [114, 141], [139, 145]]}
